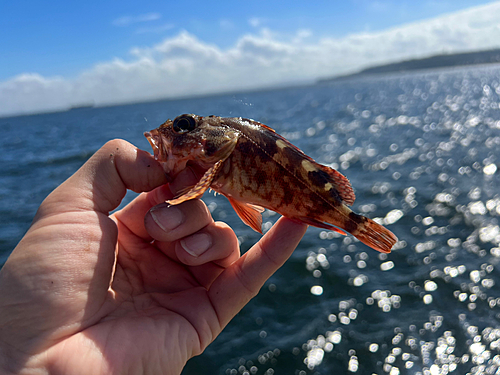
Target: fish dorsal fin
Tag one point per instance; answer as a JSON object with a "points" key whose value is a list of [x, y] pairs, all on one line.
{"points": [[267, 127], [341, 183], [200, 188], [258, 123], [248, 213], [336, 179], [293, 159]]}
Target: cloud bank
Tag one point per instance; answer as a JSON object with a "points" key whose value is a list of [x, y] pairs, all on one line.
{"points": [[184, 65]]}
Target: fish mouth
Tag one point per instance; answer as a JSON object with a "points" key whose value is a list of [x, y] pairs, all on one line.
{"points": [[160, 154], [171, 163], [154, 140]]}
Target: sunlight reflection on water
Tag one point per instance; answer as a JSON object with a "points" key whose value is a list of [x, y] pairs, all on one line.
{"points": [[439, 193]]}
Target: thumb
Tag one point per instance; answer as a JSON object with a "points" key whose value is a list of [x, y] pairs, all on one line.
{"points": [[102, 182]]}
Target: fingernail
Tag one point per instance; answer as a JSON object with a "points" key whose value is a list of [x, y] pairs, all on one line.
{"points": [[196, 244], [167, 217]]}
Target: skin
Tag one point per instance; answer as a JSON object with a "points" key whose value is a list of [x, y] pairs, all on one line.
{"points": [[85, 292]]}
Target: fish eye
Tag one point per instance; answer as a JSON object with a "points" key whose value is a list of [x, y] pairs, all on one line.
{"points": [[184, 124]]}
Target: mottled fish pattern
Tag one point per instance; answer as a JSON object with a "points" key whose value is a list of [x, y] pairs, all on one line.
{"points": [[256, 168]]}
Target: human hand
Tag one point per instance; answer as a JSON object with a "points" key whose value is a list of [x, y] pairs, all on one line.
{"points": [[85, 292]]}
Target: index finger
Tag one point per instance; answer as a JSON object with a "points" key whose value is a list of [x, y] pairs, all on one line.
{"points": [[132, 215], [240, 282]]}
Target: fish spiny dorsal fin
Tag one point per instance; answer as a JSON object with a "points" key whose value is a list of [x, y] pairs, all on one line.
{"points": [[267, 127], [341, 184], [253, 122]]}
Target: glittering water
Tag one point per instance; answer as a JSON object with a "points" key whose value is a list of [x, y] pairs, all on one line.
{"points": [[422, 152]]}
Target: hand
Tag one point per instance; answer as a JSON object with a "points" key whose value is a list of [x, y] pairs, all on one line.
{"points": [[137, 292]]}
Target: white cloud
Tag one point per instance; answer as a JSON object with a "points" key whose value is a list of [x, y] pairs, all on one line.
{"points": [[255, 21], [184, 65], [128, 20], [155, 29]]}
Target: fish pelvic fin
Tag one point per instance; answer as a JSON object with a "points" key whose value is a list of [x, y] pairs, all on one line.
{"points": [[371, 233], [248, 213]]}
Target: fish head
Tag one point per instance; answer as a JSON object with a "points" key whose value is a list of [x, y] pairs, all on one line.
{"points": [[191, 140]]}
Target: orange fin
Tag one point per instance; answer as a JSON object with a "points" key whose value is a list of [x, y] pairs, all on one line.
{"points": [[184, 191], [320, 224], [200, 188], [249, 214], [341, 184], [374, 235], [259, 124]]}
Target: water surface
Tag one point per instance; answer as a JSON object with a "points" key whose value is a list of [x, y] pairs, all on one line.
{"points": [[422, 152]]}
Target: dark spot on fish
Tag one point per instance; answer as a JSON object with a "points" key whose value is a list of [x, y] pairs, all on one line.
{"points": [[355, 220], [293, 156], [246, 148], [210, 148], [319, 178], [271, 147], [288, 198]]}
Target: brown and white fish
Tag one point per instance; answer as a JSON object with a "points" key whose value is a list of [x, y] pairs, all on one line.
{"points": [[254, 167]]}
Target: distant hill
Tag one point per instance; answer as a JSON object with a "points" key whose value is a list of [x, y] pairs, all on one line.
{"points": [[438, 61]]}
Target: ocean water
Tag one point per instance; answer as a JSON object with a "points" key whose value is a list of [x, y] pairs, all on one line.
{"points": [[422, 151]]}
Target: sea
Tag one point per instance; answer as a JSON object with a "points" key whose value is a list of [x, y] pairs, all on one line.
{"points": [[422, 151]]}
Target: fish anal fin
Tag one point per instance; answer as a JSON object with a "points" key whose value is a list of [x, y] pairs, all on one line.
{"points": [[199, 189], [320, 224], [341, 184], [248, 213], [259, 209]]}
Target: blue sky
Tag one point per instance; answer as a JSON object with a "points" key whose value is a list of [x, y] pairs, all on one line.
{"points": [[61, 46]]}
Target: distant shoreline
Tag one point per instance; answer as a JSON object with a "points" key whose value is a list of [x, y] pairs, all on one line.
{"points": [[433, 62]]}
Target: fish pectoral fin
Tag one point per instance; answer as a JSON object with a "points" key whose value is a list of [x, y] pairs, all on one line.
{"points": [[200, 188], [248, 213], [183, 191], [320, 224]]}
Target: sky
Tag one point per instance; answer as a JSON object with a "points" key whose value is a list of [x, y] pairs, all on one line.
{"points": [[57, 54]]}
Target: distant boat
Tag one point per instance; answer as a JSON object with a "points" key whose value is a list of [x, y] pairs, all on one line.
{"points": [[81, 106]]}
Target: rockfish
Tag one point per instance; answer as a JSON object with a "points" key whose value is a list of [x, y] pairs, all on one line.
{"points": [[256, 168]]}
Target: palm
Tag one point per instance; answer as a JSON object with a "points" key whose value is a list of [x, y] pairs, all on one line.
{"points": [[153, 296]]}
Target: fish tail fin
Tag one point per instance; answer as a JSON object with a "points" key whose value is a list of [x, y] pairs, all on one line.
{"points": [[372, 234]]}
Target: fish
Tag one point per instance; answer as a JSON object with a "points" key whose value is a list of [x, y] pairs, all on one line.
{"points": [[255, 168]]}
